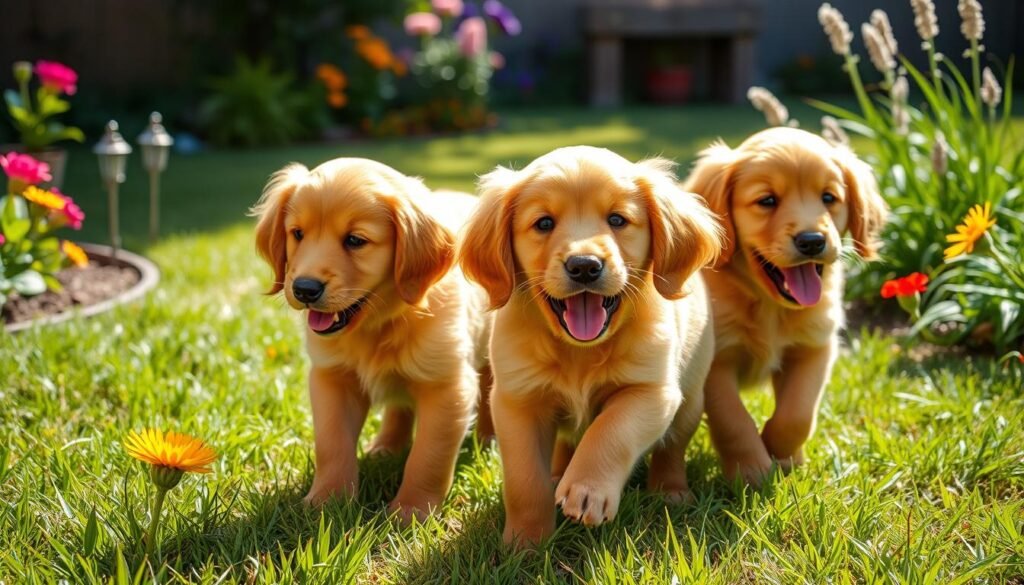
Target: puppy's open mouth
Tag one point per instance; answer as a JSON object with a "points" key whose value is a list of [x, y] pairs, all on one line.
{"points": [[800, 284], [326, 323], [585, 316]]}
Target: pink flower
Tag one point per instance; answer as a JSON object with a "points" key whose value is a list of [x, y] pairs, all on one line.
{"points": [[472, 36], [57, 76], [451, 8], [420, 24], [73, 214], [2, 239], [22, 168], [497, 60]]}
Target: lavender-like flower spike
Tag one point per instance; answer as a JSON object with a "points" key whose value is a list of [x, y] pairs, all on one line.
{"points": [[836, 28], [833, 132], [503, 17], [991, 91], [924, 19], [973, 23], [900, 90], [764, 101], [878, 49], [940, 155], [880, 20]]}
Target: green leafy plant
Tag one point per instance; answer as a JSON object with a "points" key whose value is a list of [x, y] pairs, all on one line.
{"points": [[34, 118], [254, 106], [30, 251]]}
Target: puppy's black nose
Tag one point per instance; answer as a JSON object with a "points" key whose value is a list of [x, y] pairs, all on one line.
{"points": [[307, 290], [584, 269], [810, 243]]}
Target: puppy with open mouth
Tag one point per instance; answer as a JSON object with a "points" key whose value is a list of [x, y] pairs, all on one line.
{"points": [[786, 197], [368, 253], [602, 335]]}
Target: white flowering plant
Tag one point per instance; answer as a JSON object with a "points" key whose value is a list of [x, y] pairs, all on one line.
{"points": [[936, 160]]}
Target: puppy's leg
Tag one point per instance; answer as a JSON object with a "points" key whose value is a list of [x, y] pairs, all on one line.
{"points": [[733, 431], [339, 410], [484, 423], [632, 420], [798, 389], [395, 431], [443, 413], [667, 473], [526, 436], [561, 458]]}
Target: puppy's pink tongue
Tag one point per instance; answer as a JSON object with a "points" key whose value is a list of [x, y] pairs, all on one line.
{"points": [[803, 283], [584, 315], [320, 321]]}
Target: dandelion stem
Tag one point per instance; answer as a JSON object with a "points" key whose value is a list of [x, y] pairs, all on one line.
{"points": [[154, 521]]}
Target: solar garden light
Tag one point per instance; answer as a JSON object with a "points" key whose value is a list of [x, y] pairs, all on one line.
{"points": [[112, 152], [156, 147]]}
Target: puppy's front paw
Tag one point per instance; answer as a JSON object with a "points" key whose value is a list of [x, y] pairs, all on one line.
{"points": [[793, 461], [407, 508], [327, 485], [526, 536], [588, 502], [750, 466]]}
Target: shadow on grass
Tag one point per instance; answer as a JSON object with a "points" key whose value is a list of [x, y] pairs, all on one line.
{"points": [[476, 554]]}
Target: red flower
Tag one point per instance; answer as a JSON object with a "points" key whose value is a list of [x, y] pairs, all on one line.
{"points": [[57, 76], [906, 286]]}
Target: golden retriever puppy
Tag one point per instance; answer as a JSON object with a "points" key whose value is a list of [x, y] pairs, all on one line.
{"points": [[787, 196], [367, 252], [601, 340]]}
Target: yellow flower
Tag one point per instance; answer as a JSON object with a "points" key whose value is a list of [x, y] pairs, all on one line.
{"points": [[173, 450], [974, 226], [43, 198], [74, 253]]}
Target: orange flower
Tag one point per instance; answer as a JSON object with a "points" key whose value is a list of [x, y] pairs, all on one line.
{"points": [[173, 450], [375, 52], [337, 100], [332, 77], [46, 199], [358, 32], [400, 68], [74, 253]]}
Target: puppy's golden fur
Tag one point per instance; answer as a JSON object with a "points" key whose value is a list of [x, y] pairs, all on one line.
{"points": [[636, 385], [383, 247], [778, 184]]}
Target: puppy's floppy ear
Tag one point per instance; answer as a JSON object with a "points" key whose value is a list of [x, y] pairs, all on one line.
{"points": [[424, 249], [867, 208], [271, 236], [711, 178], [684, 234], [485, 252]]}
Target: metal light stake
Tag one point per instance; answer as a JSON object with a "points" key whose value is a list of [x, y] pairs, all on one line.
{"points": [[112, 152], [156, 146]]}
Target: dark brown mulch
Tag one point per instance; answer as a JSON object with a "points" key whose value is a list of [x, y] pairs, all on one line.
{"points": [[95, 283]]}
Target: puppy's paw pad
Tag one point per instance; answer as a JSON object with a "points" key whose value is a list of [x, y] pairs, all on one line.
{"points": [[588, 504]]}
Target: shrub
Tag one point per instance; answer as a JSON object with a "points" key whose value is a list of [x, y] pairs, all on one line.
{"points": [[254, 106]]}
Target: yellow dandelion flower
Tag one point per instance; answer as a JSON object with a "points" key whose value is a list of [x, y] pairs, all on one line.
{"points": [[43, 198], [74, 253], [973, 228], [175, 450]]}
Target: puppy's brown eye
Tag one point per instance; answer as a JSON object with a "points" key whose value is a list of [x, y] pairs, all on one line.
{"points": [[768, 201], [544, 224], [297, 233], [353, 241], [616, 220], [828, 198]]}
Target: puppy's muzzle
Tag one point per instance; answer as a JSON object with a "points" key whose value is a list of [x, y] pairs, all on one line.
{"points": [[584, 269], [307, 290]]}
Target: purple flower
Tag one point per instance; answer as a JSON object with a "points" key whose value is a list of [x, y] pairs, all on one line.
{"points": [[503, 17]]}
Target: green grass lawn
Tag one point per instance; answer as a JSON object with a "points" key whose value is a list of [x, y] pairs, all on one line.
{"points": [[916, 473]]}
